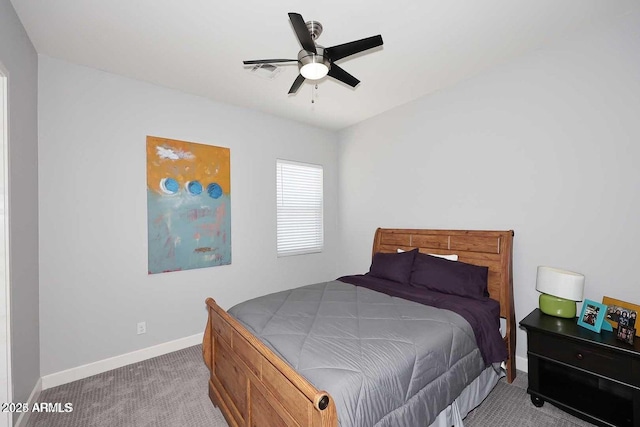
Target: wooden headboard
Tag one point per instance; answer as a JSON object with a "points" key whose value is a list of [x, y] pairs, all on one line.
{"points": [[492, 249]]}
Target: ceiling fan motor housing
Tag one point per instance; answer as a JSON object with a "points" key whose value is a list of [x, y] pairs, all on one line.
{"points": [[315, 29]]}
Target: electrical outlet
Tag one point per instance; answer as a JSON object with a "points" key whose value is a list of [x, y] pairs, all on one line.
{"points": [[142, 328]]}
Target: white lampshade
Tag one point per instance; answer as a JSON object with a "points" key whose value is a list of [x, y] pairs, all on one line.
{"points": [[560, 283]]}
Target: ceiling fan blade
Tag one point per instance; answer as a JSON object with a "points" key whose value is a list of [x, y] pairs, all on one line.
{"points": [[340, 74], [302, 32], [296, 84], [347, 49], [267, 61]]}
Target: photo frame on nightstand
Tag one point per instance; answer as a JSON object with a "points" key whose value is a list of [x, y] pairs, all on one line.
{"points": [[615, 310], [592, 315], [625, 333]]}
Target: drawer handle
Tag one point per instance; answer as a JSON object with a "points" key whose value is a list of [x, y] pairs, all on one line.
{"points": [[579, 356]]}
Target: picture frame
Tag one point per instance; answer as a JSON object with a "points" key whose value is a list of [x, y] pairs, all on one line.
{"points": [[625, 334], [592, 315], [615, 310]]}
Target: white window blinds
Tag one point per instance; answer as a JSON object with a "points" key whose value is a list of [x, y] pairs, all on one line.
{"points": [[299, 208]]}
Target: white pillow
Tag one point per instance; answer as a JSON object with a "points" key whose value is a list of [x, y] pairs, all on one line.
{"points": [[452, 257]]}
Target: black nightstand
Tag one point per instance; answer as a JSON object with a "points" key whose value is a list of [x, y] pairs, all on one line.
{"points": [[592, 376]]}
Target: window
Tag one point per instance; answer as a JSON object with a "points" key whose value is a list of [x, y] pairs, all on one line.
{"points": [[299, 208]]}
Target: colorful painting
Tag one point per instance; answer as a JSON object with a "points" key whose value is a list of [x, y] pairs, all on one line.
{"points": [[188, 205]]}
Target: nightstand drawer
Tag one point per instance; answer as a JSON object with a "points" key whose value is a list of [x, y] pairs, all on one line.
{"points": [[591, 358]]}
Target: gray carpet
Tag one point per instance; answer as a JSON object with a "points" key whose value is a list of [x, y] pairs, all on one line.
{"points": [[167, 391], [171, 391], [509, 405]]}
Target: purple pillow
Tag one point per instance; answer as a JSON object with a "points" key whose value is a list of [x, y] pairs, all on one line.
{"points": [[450, 277], [393, 266]]}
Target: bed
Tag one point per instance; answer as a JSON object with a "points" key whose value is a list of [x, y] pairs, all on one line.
{"points": [[253, 380]]}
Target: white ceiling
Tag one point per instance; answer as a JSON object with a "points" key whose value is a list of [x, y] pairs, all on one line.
{"points": [[197, 46]]}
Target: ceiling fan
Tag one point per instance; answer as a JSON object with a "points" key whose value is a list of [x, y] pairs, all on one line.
{"points": [[315, 61]]}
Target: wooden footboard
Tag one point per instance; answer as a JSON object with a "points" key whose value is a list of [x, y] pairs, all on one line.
{"points": [[254, 387]]}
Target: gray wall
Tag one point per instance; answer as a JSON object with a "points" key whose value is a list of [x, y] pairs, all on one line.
{"points": [[19, 57], [94, 285], [546, 145], [543, 144]]}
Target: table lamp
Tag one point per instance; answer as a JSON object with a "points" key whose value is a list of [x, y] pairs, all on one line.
{"points": [[560, 291]]}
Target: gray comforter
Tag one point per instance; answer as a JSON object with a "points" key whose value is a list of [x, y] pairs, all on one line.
{"points": [[385, 361]]}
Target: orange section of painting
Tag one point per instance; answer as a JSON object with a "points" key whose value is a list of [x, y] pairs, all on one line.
{"points": [[188, 161]]}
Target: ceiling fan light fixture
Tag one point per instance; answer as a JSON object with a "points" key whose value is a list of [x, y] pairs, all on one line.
{"points": [[314, 71], [313, 66]]}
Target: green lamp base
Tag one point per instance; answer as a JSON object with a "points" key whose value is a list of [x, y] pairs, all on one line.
{"points": [[555, 306]]}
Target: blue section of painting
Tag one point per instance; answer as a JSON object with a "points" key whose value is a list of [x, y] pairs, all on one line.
{"points": [[188, 231], [170, 186], [194, 187], [214, 190]]}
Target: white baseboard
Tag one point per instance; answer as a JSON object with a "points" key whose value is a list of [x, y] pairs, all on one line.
{"points": [[522, 364], [23, 419], [84, 371]]}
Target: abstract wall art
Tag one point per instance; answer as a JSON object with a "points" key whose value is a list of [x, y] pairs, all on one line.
{"points": [[188, 205]]}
